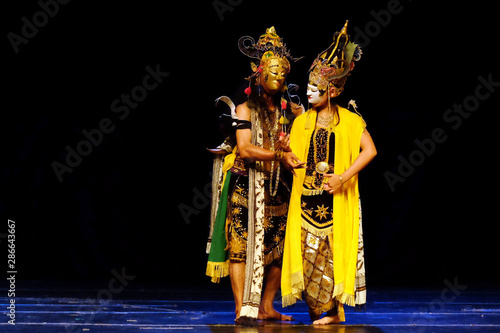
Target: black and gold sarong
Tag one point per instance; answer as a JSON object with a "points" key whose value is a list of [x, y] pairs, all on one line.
{"points": [[275, 215]]}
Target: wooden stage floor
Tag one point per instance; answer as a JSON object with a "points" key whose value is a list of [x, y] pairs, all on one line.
{"points": [[183, 309]]}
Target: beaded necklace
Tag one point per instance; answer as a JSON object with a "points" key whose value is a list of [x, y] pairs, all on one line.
{"points": [[272, 134]]}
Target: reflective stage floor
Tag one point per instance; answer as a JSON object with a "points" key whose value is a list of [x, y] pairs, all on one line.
{"points": [[184, 309]]}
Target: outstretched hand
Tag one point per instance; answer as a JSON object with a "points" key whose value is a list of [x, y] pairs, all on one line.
{"points": [[291, 162]]}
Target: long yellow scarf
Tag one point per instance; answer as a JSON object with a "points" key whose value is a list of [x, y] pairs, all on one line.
{"points": [[345, 209]]}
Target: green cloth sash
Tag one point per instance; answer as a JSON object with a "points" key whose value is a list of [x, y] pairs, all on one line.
{"points": [[218, 258]]}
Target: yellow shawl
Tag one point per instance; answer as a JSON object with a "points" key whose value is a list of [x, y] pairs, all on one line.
{"points": [[345, 209]]}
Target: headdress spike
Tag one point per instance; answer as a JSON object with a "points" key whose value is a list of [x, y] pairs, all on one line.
{"points": [[344, 29]]}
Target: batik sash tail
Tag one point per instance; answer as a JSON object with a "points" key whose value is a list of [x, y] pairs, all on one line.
{"points": [[254, 273], [360, 272]]}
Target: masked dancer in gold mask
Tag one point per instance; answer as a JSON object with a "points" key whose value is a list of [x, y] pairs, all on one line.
{"points": [[323, 258], [247, 235]]}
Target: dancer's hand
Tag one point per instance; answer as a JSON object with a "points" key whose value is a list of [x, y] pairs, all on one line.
{"points": [[291, 162], [333, 183], [284, 142]]}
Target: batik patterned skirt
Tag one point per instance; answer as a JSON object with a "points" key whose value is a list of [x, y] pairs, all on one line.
{"points": [[275, 211], [317, 256]]}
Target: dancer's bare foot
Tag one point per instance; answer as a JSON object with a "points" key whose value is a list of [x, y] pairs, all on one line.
{"points": [[327, 320], [271, 314], [266, 309]]}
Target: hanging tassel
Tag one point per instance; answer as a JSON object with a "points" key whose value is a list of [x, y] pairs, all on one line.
{"points": [[283, 104]]}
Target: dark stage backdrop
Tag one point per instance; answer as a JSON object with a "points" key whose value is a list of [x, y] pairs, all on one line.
{"points": [[108, 109]]}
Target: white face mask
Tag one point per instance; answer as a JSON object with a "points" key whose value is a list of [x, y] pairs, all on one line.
{"points": [[314, 96]]}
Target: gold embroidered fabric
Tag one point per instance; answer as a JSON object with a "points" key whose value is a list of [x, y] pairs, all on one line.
{"points": [[316, 204], [318, 272], [275, 214], [321, 150]]}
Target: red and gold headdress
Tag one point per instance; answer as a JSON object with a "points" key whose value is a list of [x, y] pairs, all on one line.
{"points": [[335, 63]]}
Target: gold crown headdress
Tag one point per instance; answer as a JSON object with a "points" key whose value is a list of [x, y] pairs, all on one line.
{"points": [[335, 63], [269, 48]]}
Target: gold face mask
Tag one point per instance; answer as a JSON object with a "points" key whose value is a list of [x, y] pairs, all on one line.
{"points": [[274, 72], [273, 56]]}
